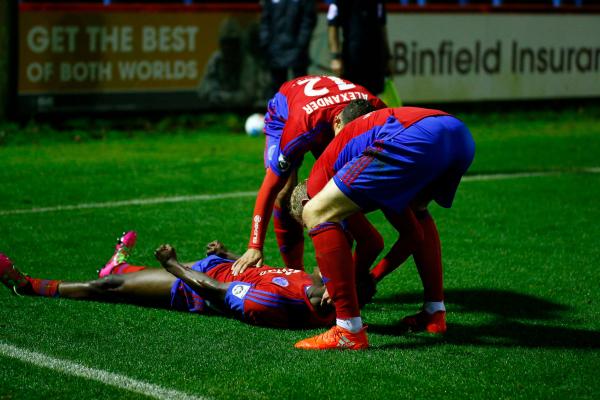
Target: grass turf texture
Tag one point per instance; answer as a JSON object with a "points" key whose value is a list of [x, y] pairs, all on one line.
{"points": [[520, 269]]}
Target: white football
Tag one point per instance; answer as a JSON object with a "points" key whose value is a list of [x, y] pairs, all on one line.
{"points": [[255, 124]]}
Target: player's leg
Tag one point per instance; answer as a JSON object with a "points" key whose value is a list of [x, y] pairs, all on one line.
{"points": [[151, 287], [369, 244], [428, 260], [20, 283], [459, 150], [322, 216], [289, 233]]}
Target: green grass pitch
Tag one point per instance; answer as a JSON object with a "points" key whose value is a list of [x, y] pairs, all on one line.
{"points": [[521, 256]]}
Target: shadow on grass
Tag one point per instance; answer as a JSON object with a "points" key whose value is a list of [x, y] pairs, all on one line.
{"points": [[517, 320]]}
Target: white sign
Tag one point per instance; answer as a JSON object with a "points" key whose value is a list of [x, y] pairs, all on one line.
{"points": [[469, 57]]}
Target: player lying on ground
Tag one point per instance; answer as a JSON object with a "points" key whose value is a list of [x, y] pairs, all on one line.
{"points": [[389, 159], [263, 296]]}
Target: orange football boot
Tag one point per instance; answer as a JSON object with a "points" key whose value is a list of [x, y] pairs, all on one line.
{"points": [[336, 338]]}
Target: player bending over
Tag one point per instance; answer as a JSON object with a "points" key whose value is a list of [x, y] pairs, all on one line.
{"points": [[263, 296], [369, 245], [299, 120], [388, 159]]}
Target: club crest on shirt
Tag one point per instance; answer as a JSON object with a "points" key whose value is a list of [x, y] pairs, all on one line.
{"points": [[240, 291], [281, 281], [284, 163]]}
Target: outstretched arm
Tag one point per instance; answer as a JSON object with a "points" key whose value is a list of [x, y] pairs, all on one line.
{"points": [[198, 281]]}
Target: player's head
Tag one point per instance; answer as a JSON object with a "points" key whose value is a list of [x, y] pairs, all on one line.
{"points": [[297, 201], [353, 110]]}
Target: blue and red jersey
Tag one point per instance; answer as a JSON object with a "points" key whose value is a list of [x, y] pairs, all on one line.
{"points": [[299, 119], [261, 296], [384, 159], [356, 137]]}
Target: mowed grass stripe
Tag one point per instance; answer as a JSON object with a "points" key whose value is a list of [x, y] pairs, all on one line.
{"points": [[108, 378], [219, 196]]}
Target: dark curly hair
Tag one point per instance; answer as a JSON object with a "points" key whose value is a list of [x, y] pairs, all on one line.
{"points": [[355, 109]]}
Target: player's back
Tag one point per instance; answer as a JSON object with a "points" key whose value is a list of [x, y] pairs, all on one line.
{"points": [[314, 101], [319, 98]]}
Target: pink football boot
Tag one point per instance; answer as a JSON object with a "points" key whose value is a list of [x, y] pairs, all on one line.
{"points": [[122, 251]]}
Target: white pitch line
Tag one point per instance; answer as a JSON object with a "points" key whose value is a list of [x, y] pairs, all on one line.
{"points": [[132, 202], [232, 195], [81, 371], [516, 175]]}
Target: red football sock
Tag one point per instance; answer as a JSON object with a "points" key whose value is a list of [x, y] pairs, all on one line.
{"points": [[44, 287], [410, 235], [290, 237], [369, 243], [428, 258], [334, 258], [126, 269]]}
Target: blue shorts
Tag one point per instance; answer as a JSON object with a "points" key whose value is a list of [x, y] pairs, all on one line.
{"points": [[183, 297], [430, 155]]}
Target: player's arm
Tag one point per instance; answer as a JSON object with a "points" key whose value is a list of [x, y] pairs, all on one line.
{"points": [[201, 283], [263, 207]]}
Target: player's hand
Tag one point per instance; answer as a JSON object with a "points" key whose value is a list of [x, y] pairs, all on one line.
{"points": [[252, 257], [326, 300], [337, 66], [165, 253], [215, 247]]}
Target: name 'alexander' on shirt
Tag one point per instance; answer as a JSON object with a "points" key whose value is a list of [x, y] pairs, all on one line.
{"points": [[334, 99]]}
